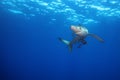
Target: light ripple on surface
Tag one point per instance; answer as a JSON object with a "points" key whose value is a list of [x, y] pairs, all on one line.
{"points": [[85, 12]]}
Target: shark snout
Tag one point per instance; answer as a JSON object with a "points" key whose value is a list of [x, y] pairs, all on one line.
{"points": [[74, 28]]}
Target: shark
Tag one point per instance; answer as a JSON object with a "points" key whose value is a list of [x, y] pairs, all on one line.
{"points": [[79, 35]]}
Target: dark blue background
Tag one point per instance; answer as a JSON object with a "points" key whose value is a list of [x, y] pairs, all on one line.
{"points": [[30, 50]]}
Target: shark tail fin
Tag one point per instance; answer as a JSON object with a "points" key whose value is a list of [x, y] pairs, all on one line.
{"points": [[96, 37], [67, 43]]}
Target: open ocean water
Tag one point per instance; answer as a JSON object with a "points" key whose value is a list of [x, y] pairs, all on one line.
{"points": [[29, 45]]}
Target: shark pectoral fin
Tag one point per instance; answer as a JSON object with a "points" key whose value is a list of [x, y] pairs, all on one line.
{"points": [[96, 37], [64, 41], [67, 43]]}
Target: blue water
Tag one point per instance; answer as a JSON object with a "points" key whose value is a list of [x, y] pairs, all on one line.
{"points": [[29, 45]]}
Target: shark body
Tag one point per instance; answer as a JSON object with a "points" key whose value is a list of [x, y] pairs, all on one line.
{"points": [[80, 33]]}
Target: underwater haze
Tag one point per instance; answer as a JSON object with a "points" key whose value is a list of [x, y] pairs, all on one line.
{"points": [[29, 45]]}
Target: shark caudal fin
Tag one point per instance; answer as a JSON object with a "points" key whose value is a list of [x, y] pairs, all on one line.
{"points": [[96, 37], [67, 43]]}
